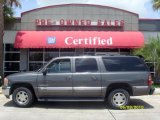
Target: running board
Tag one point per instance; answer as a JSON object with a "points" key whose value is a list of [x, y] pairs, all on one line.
{"points": [[72, 100]]}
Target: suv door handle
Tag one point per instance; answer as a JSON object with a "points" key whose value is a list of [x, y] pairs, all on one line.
{"points": [[68, 77], [94, 78]]}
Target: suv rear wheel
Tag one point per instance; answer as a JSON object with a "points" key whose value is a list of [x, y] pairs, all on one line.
{"points": [[23, 97], [117, 98]]}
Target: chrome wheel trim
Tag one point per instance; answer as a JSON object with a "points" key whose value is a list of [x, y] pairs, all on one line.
{"points": [[22, 97], [119, 99]]}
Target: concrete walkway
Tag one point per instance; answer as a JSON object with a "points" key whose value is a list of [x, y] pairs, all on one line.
{"points": [[157, 91], [81, 110]]}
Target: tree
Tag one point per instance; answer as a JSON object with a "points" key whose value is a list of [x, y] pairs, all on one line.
{"points": [[156, 4], [151, 52], [8, 15], [7, 5]]}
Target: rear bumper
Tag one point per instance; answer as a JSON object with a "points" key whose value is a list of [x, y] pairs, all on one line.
{"points": [[141, 90], [6, 91]]}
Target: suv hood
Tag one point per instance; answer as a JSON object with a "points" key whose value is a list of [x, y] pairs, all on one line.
{"points": [[22, 76]]}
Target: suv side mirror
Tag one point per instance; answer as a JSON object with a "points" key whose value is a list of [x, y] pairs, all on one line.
{"points": [[44, 71]]}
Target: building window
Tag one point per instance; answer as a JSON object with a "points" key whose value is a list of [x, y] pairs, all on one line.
{"points": [[12, 56], [10, 48], [89, 51], [39, 57], [36, 59], [11, 59], [36, 56], [67, 52]]}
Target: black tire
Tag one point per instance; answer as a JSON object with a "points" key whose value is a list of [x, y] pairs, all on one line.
{"points": [[22, 97], [123, 100]]}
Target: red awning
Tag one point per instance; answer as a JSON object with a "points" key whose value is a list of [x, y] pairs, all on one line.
{"points": [[78, 39]]}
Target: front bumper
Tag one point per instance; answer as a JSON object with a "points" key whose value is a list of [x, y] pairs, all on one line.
{"points": [[6, 91]]}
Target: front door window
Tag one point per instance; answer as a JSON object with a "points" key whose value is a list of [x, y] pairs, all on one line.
{"points": [[60, 66]]}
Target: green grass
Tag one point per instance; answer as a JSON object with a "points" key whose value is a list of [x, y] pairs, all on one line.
{"points": [[156, 85]]}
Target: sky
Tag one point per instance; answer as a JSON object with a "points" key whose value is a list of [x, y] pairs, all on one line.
{"points": [[141, 7]]}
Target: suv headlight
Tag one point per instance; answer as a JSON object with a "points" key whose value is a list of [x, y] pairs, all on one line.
{"points": [[5, 82]]}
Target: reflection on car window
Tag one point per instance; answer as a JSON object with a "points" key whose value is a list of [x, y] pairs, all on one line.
{"points": [[60, 66], [123, 64], [86, 65]]}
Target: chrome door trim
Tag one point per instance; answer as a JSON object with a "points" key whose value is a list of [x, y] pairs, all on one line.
{"points": [[86, 88], [55, 88]]}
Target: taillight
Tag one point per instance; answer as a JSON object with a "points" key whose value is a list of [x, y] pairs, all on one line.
{"points": [[150, 82]]}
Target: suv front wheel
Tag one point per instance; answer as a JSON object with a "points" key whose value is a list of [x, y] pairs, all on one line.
{"points": [[23, 97], [118, 98]]}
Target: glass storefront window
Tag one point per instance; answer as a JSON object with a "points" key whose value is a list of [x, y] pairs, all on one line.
{"points": [[36, 50], [106, 50], [35, 59], [52, 50], [67, 54], [125, 50], [35, 66], [50, 55], [89, 50], [11, 59], [10, 47], [67, 50], [8, 73], [11, 66], [12, 56], [35, 56]]}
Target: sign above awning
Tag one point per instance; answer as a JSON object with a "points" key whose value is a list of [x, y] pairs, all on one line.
{"points": [[78, 39]]}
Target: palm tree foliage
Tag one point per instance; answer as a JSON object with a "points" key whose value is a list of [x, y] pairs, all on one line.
{"points": [[11, 3], [151, 52], [6, 12], [156, 4]]}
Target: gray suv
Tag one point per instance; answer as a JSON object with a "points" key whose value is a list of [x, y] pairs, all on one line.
{"points": [[112, 79]]}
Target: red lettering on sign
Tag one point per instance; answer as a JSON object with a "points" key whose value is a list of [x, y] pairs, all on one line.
{"points": [[37, 21], [62, 22], [82, 23], [110, 23], [88, 22], [49, 22], [122, 23], [105, 23], [43, 22], [69, 22], [116, 23], [99, 22], [76, 22]]}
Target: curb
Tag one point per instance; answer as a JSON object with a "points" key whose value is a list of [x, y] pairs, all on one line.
{"points": [[0, 90]]}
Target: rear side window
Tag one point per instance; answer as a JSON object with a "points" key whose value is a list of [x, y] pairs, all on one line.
{"points": [[124, 64], [86, 65]]}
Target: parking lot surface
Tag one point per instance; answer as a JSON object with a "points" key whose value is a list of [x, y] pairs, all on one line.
{"points": [[81, 110]]}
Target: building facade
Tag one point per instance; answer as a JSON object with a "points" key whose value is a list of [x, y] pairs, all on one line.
{"points": [[89, 24]]}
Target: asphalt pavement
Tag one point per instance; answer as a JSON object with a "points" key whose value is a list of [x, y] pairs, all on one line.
{"points": [[81, 110]]}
